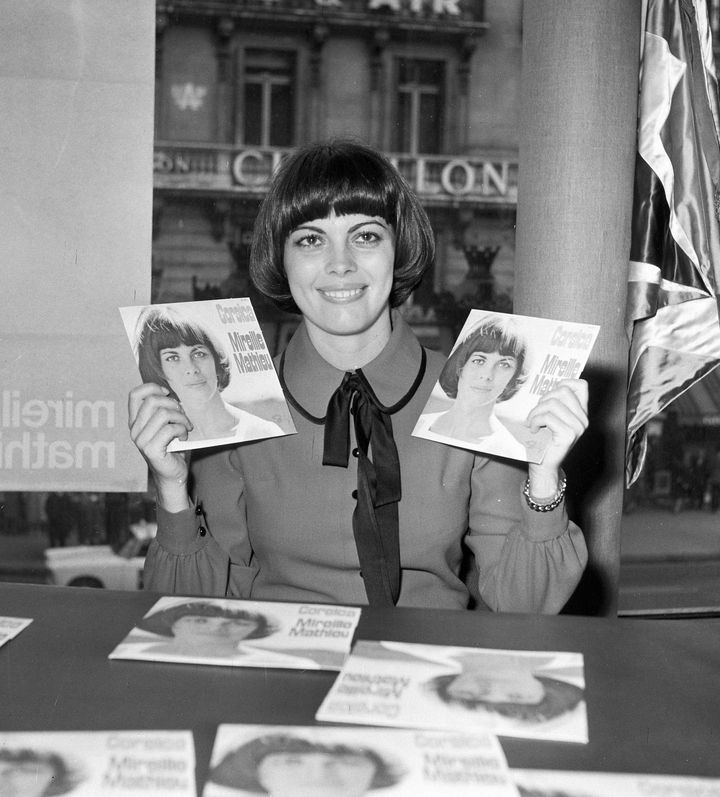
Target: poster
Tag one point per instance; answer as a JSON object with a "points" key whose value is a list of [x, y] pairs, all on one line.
{"points": [[212, 359], [10, 627], [92, 763], [242, 633], [551, 783], [499, 368], [76, 152], [352, 762], [527, 694]]}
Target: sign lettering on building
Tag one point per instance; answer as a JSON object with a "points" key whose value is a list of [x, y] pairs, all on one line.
{"points": [[188, 96], [419, 7], [436, 178], [416, 6]]}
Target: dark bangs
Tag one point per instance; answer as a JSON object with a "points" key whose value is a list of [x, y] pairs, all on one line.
{"points": [[160, 329], [343, 177], [169, 333], [496, 339], [331, 179]]}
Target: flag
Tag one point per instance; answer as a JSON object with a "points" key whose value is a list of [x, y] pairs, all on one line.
{"points": [[672, 308]]}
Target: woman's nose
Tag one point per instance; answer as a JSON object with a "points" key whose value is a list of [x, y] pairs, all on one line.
{"points": [[340, 260]]}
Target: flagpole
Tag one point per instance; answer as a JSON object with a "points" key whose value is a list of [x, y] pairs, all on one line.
{"points": [[577, 155]]}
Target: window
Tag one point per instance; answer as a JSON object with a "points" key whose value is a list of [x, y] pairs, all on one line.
{"points": [[269, 116], [188, 96], [420, 112]]}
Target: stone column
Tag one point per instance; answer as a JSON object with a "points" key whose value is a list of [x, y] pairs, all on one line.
{"points": [[577, 151]]}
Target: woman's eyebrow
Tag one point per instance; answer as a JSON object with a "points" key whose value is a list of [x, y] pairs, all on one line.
{"points": [[306, 226], [379, 222]]}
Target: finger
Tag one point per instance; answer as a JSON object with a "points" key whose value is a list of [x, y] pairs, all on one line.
{"points": [[154, 403], [568, 401], [166, 421], [579, 387], [161, 426], [563, 421], [139, 394], [573, 392]]}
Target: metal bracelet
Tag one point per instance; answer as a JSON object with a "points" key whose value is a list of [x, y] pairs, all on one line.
{"points": [[553, 504]]}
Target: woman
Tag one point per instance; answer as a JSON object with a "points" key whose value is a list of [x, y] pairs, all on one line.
{"points": [[341, 239], [289, 766], [210, 633], [35, 773], [486, 368], [509, 686], [205, 629], [181, 357]]}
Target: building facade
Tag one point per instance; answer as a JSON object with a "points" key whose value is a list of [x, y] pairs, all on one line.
{"points": [[432, 83]]}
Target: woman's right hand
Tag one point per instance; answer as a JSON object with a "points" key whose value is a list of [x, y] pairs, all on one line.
{"points": [[155, 420]]}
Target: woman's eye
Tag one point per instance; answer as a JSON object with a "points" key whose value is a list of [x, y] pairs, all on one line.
{"points": [[367, 237], [308, 240]]}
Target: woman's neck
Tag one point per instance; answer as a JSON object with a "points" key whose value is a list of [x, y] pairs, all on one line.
{"points": [[464, 423], [210, 416], [206, 648], [349, 352]]}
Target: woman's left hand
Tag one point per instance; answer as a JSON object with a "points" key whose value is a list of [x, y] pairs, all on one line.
{"points": [[564, 411]]}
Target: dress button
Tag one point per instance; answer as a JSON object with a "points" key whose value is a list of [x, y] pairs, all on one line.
{"points": [[198, 509], [354, 494], [356, 452], [202, 531]]}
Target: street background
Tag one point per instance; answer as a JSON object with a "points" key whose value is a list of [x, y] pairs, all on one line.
{"points": [[670, 561]]}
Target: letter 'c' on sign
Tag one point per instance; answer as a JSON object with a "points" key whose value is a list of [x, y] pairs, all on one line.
{"points": [[237, 168]]}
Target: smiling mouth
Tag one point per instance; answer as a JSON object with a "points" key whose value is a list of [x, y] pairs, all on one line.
{"points": [[342, 295]]}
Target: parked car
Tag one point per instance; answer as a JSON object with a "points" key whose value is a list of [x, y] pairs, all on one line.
{"points": [[101, 565]]}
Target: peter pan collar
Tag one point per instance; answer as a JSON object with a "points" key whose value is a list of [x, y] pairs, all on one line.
{"points": [[311, 380]]}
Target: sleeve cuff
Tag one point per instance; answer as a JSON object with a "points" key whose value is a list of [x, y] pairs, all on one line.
{"points": [[181, 533]]}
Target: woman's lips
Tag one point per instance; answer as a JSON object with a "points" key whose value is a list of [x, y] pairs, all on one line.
{"points": [[342, 294]]}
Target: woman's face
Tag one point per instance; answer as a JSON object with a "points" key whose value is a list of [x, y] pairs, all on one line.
{"points": [[189, 371], [340, 272], [512, 686], [485, 376], [25, 779], [226, 628], [316, 774]]}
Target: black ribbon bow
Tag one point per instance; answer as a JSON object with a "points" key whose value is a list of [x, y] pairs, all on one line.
{"points": [[375, 518]]}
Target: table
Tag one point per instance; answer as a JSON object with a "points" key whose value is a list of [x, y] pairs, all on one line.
{"points": [[652, 685]]}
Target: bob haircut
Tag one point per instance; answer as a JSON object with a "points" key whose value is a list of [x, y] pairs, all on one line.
{"points": [[559, 698], [162, 622], [65, 778], [162, 328], [239, 768], [344, 177], [492, 335]]}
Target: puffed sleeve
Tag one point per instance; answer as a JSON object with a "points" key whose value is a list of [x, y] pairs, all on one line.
{"points": [[205, 551], [528, 561]]}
